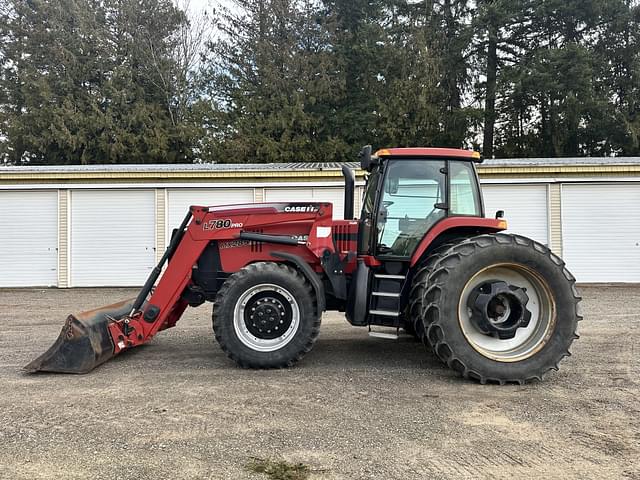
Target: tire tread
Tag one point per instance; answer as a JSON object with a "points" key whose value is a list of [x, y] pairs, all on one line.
{"points": [[434, 332], [250, 270]]}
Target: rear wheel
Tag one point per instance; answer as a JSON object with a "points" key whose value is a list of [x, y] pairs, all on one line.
{"points": [[265, 316], [500, 308], [415, 324]]}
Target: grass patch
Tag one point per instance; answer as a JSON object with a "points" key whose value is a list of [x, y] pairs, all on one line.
{"points": [[279, 469]]}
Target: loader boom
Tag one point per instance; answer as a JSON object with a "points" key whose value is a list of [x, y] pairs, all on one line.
{"points": [[200, 226]]}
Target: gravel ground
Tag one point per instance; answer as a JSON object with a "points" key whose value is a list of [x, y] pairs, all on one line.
{"points": [[355, 407]]}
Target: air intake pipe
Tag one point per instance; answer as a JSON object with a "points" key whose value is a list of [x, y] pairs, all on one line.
{"points": [[349, 187]]}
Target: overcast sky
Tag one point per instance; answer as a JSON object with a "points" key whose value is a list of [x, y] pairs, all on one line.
{"points": [[196, 6]]}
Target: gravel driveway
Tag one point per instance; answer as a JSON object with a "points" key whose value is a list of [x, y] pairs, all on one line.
{"points": [[355, 407]]}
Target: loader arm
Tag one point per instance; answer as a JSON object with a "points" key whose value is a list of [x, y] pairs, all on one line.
{"points": [[86, 338]]}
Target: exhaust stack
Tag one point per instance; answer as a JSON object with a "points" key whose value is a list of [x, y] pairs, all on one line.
{"points": [[349, 187]]}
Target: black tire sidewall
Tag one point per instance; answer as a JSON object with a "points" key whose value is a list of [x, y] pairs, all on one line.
{"points": [[460, 265], [418, 289], [223, 315]]}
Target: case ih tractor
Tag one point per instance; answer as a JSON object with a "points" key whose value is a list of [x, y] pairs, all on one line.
{"points": [[421, 256]]}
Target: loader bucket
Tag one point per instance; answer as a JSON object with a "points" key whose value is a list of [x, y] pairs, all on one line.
{"points": [[84, 342]]}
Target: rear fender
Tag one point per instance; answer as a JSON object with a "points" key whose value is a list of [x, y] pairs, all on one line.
{"points": [[455, 227]]}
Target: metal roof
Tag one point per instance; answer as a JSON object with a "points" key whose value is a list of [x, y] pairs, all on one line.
{"points": [[548, 162], [300, 166], [180, 167]]}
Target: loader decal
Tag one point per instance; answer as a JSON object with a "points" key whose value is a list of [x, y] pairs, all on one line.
{"points": [[301, 208], [222, 223], [234, 244]]}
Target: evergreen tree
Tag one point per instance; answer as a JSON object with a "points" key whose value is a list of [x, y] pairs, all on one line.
{"points": [[616, 129], [87, 81], [273, 85], [407, 95], [549, 95]]}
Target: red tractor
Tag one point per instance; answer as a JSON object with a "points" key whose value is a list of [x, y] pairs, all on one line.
{"points": [[422, 257]]}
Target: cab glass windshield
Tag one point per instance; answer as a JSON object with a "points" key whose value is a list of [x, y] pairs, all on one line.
{"points": [[413, 194]]}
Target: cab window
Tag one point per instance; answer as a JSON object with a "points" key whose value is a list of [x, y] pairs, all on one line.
{"points": [[464, 190], [412, 190]]}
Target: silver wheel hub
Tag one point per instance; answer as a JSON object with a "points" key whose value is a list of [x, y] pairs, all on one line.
{"points": [[506, 312], [266, 317]]}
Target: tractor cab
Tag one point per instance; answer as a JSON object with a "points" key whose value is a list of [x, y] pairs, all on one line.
{"points": [[410, 190], [415, 200]]}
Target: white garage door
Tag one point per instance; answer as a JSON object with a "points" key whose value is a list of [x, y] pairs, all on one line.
{"points": [[112, 237], [302, 194], [525, 208], [601, 232], [180, 199], [28, 238]]}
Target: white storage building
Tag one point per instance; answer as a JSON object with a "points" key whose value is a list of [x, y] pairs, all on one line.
{"points": [[107, 225]]}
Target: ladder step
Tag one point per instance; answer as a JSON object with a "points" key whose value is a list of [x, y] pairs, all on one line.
{"points": [[388, 336], [385, 294], [389, 277], [386, 313]]}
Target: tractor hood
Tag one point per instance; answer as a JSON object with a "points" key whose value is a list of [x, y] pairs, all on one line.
{"points": [[269, 208]]}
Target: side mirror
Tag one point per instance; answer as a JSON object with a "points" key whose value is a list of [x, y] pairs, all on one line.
{"points": [[500, 214], [365, 158]]}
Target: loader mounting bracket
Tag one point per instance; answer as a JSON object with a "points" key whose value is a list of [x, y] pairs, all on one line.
{"points": [[334, 267]]}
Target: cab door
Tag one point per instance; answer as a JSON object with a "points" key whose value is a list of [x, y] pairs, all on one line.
{"points": [[413, 199]]}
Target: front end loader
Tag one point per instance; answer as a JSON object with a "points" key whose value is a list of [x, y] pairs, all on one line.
{"points": [[421, 257]]}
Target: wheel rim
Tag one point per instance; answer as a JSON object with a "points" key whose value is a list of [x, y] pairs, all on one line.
{"points": [[524, 320], [266, 317]]}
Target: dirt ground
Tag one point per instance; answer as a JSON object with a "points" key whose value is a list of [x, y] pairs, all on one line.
{"points": [[355, 407]]}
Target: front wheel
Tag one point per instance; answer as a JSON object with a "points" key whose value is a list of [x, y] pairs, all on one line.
{"points": [[500, 308], [265, 316]]}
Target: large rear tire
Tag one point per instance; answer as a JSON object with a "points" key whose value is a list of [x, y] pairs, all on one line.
{"points": [[415, 324], [500, 308], [266, 316]]}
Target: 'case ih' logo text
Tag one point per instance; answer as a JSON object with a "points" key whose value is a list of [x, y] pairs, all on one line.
{"points": [[215, 224], [300, 209]]}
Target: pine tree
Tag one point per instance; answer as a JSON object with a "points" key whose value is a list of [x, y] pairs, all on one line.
{"points": [[88, 81], [617, 82], [407, 92], [273, 85]]}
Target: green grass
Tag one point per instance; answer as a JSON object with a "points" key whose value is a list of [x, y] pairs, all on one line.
{"points": [[279, 469]]}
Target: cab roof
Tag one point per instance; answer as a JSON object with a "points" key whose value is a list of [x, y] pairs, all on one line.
{"points": [[430, 152]]}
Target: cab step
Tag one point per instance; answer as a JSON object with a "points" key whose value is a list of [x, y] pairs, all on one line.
{"points": [[385, 335], [385, 294], [387, 276], [384, 313]]}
